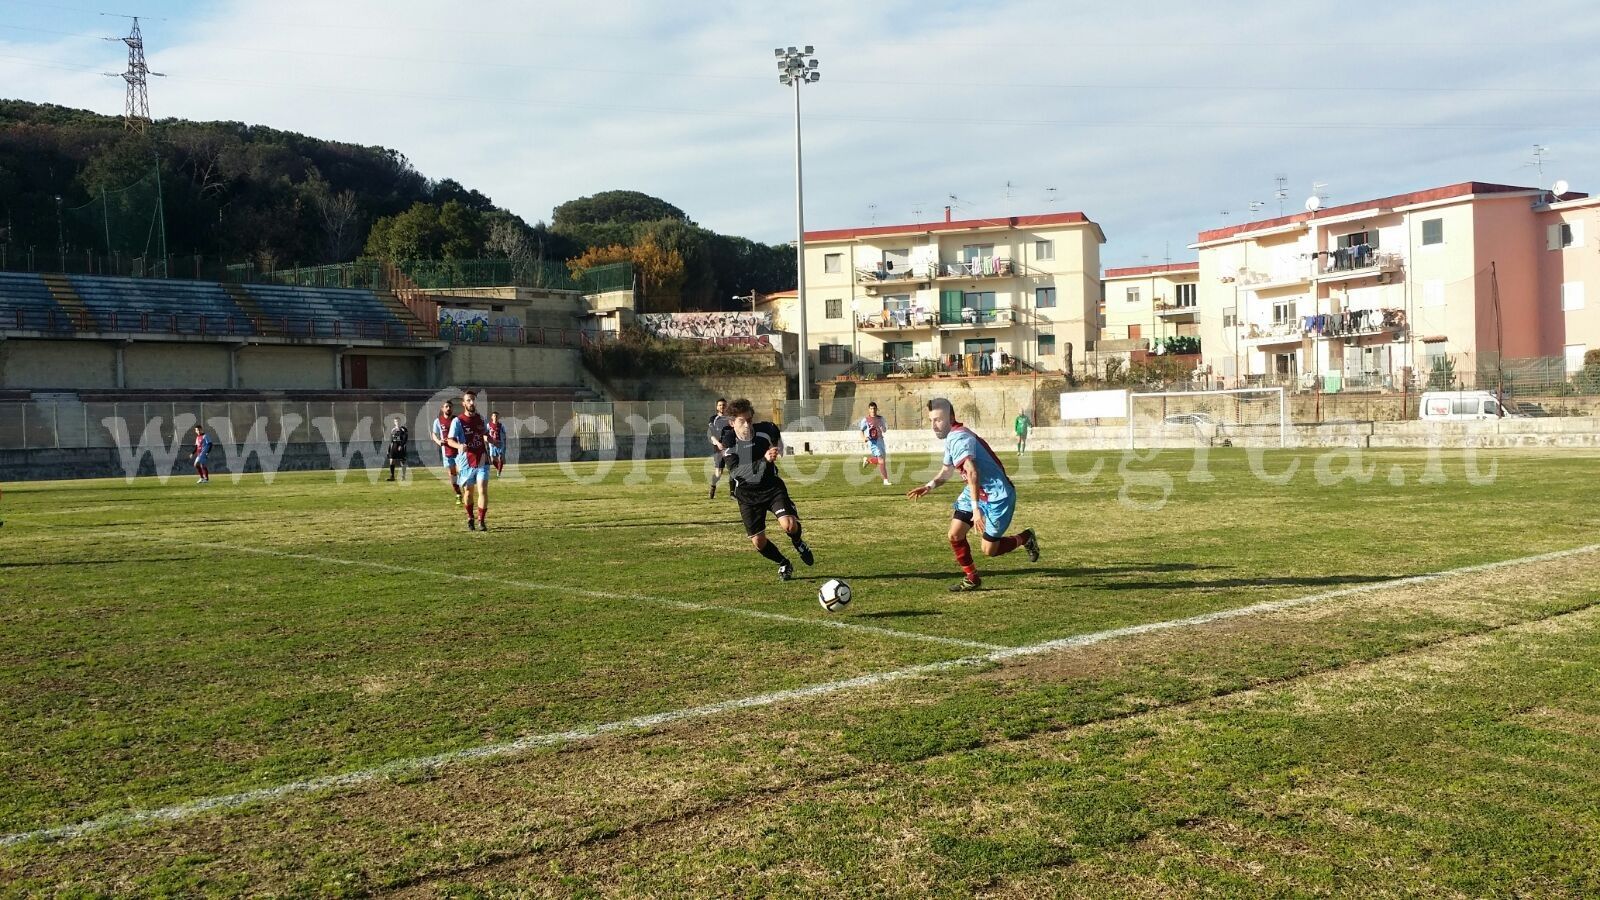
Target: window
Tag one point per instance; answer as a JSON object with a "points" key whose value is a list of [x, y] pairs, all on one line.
{"points": [[1047, 344], [1133, 295], [1357, 238], [1186, 294], [833, 263], [976, 251], [1044, 298], [1433, 293], [1283, 311], [1564, 235], [1575, 354], [978, 300], [897, 301], [1432, 231], [833, 353], [1230, 316], [1044, 249], [833, 309], [897, 260], [897, 350], [1571, 296]]}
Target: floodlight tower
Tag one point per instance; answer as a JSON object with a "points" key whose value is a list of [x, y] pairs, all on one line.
{"points": [[797, 67]]}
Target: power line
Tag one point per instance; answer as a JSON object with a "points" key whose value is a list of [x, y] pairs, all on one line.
{"points": [[137, 114]]}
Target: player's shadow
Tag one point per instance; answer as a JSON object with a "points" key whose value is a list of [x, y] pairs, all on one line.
{"points": [[1056, 572], [899, 614], [1221, 583]]}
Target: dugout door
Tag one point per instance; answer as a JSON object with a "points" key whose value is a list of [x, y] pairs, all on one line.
{"points": [[355, 371]]}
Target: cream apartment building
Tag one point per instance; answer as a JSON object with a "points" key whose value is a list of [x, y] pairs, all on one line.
{"points": [[1145, 305], [949, 291], [1365, 294]]}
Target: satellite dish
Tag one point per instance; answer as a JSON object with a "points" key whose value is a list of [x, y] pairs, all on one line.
{"points": [[1313, 204], [1559, 188]]}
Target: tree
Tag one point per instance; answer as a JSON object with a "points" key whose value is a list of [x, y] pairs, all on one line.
{"points": [[616, 207], [426, 231], [659, 271]]}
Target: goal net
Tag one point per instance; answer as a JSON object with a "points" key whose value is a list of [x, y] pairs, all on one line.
{"points": [[1249, 416]]}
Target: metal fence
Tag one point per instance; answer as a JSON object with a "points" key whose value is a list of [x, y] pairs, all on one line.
{"points": [[72, 424]]}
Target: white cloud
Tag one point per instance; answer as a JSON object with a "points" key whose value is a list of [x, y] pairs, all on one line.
{"points": [[1151, 118]]}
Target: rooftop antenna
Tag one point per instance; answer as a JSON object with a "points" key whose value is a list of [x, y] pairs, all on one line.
{"points": [[136, 114], [1255, 206], [1318, 192], [1049, 195], [1540, 154], [1282, 190], [872, 212], [1558, 189]]}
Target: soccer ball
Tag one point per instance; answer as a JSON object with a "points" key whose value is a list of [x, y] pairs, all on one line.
{"points": [[834, 595]]}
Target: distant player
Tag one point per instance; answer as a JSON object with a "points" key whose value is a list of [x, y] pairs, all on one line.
{"points": [[399, 446], [714, 428], [469, 435], [441, 435], [1022, 425], [497, 443], [987, 502], [872, 429], [202, 455], [751, 452]]}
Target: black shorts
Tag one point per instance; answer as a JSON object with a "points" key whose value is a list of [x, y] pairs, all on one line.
{"points": [[753, 508]]}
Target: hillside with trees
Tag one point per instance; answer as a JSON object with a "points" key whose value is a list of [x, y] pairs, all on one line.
{"points": [[76, 183]]}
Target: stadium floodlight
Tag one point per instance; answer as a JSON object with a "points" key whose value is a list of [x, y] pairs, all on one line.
{"points": [[799, 67]]}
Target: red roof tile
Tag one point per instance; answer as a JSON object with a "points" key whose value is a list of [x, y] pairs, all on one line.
{"points": [[1439, 193], [1152, 270], [845, 234]]}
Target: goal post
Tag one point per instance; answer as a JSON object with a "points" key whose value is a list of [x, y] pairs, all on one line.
{"points": [[1210, 417]]}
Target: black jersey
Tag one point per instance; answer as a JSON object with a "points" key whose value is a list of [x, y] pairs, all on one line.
{"points": [[715, 427], [746, 461]]}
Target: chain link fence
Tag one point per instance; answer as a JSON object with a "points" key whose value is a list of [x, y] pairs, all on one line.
{"points": [[71, 424]]}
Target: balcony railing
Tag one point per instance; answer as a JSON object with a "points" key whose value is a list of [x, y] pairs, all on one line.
{"points": [[895, 319], [976, 318], [1277, 330], [987, 267], [1359, 259], [894, 274]]}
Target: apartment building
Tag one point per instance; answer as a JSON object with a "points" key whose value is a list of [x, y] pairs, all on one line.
{"points": [[1146, 305], [949, 292], [1365, 295]]}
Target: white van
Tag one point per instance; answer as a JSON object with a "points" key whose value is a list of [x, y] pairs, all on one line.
{"points": [[1460, 406]]}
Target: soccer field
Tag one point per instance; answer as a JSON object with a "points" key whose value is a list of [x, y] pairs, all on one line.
{"points": [[1210, 683]]}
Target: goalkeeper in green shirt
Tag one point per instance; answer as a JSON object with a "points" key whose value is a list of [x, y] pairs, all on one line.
{"points": [[1022, 425]]}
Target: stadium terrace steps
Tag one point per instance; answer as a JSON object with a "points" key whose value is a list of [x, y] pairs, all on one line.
{"points": [[66, 298], [397, 306], [242, 298], [29, 304], [145, 304]]}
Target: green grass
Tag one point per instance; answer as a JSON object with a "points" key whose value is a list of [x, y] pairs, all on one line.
{"points": [[153, 652]]}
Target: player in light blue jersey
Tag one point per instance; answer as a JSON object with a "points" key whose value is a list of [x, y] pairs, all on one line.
{"points": [[987, 502], [872, 428]]}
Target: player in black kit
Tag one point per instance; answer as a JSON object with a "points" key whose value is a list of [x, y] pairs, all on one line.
{"points": [[750, 454]]}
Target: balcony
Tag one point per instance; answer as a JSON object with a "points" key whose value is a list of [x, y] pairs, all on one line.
{"points": [[967, 317], [1123, 345], [1283, 276], [988, 267], [1354, 322], [1289, 332], [1344, 265], [892, 320], [890, 277], [1183, 311]]}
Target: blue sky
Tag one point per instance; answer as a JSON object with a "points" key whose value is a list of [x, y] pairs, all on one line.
{"points": [[1155, 119]]}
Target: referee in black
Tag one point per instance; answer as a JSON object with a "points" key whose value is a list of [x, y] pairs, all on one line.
{"points": [[750, 453]]}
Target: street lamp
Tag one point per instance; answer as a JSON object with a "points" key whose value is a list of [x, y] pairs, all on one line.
{"points": [[797, 67]]}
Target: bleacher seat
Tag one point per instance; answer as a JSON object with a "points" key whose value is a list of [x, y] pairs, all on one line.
{"points": [[25, 302], [314, 310], [161, 304]]}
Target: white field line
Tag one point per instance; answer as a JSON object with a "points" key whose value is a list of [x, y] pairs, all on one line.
{"points": [[683, 605], [403, 767]]}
